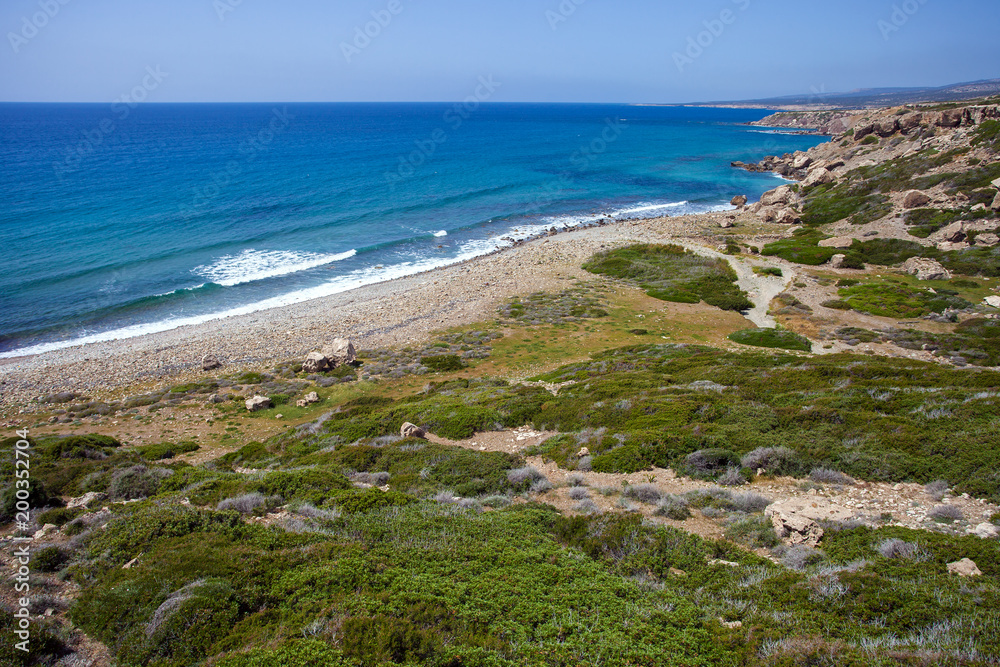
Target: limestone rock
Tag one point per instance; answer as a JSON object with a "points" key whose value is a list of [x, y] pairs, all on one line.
{"points": [[910, 122], [726, 223], [408, 430], [258, 403], [341, 351], [996, 184], [210, 362], [786, 216], [964, 568], [215, 399], [739, 200], [950, 118], [795, 521], [992, 301], [86, 500], [584, 451], [980, 207], [315, 362], [767, 214], [837, 261], [996, 203], [987, 240], [818, 177], [779, 195], [310, 398], [955, 232], [45, 531], [915, 199], [926, 269], [837, 242], [801, 161], [951, 246], [887, 127], [863, 130], [796, 529], [987, 531]]}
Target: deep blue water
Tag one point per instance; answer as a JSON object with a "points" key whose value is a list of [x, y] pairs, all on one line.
{"points": [[119, 221]]}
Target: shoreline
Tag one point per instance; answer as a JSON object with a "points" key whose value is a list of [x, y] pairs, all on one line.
{"points": [[398, 311]]}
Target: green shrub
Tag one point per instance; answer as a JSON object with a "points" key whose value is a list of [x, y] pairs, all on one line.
{"points": [[49, 559], [772, 338], [443, 363], [59, 516], [892, 300], [165, 450], [801, 249], [369, 499], [135, 482], [869, 140], [37, 497]]}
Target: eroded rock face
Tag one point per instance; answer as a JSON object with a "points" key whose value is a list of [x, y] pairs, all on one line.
{"points": [[801, 161], [996, 203], [915, 199], [408, 430], [926, 269], [315, 362], [987, 240], [786, 216], [964, 568], [887, 127], [258, 403]]}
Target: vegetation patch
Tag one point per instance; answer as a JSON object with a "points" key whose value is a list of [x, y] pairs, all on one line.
{"points": [[670, 273], [572, 305], [773, 338], [897, 300]]}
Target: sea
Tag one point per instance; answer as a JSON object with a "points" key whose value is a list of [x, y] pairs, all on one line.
{"points": [[122, 220]]}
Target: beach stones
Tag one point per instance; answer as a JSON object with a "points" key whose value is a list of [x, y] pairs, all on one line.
{"points": [[408, 430], [341, 351], [315, 362], [258, 403], [210, 362]]}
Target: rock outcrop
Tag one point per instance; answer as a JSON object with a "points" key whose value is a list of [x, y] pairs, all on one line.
{"points": [[315, 362], [818, 176], [341, 351], [796, 521], [915, 199], [258, 403], [986, 531], [926, 269], [837, 242]]}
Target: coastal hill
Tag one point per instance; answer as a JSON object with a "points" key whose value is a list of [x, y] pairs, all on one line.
{"points": [[762, 436]]}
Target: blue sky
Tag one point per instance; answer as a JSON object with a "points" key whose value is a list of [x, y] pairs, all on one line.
{"points": [[536, 50]]}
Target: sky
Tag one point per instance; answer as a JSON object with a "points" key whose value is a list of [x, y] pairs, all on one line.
{"points": [[627, 51]]}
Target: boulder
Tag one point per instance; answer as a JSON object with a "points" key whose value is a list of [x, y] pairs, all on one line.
{"points": [[915, 199], [926, 269], [258, 403], [910, 122], [739, 200], [309, 399], [980, 207], [992, 301], [996, 184], [837, 242], [767, 214], [215, 399], [964, 568], [86, 500], [584, 451], [863, 130], [408, 430], [796, 529], [887, 127], [949, 246], [210, 362], [950, 118], [786, 216], [315, 362], [801, 161], [779, 195], [341, 351], [726, 223], [837, 261], [987, 531], [996, 203], [818, 177], [987, 240], [954, 232]]}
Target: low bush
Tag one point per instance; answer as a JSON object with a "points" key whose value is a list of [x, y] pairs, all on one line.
{"points": [[673, 507], [443, 363], [899, 549], [937, 489], [773, 460], [945, 513], [752, 531], [249, 503], [135, 482], [165, 450], [828, 476], [772, 338], [705, 462], [644, 493]]}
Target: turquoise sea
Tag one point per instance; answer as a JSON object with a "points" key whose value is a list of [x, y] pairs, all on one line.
{"points": [[120, 220]]}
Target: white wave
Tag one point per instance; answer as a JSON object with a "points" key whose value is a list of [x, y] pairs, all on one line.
{"points": [[648, 207], [251, 265], [441, 233], [181, 289]]}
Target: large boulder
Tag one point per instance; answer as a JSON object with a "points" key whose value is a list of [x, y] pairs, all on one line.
{"points": [[926, 269], [786, 216], [341, 351], [258, 403], [951, 246], [837, 261], [315, 362], [996, 203], [837, 242], [86, 500], [408, 430], [992, 301], [887, 127], [768, 214], [949, 118], [818, 176], [777, 196], [910, 122], [987, 240], [801, 161], [210, 362], [739, 200], [955, 232], [915, 199], [986, 531], [964, 568], [863, 130]]}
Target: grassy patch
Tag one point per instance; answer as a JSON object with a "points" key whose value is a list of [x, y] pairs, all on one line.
{"points": [[670, 273], [897, 300], [773, 338]]}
